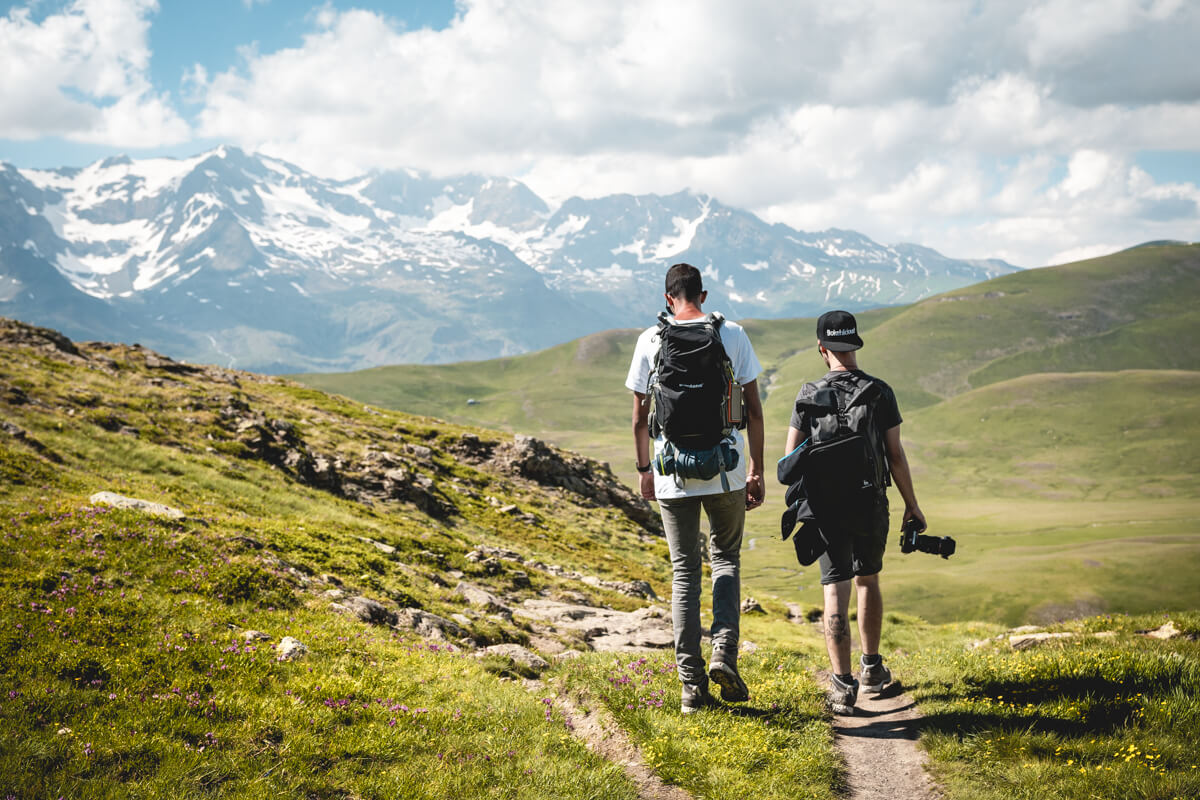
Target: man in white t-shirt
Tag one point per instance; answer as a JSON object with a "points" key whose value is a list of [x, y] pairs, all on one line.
{"points": [[680, 502]]}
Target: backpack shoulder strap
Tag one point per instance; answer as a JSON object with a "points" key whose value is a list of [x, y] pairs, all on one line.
{"points": [[714, 318], [664, 321]]}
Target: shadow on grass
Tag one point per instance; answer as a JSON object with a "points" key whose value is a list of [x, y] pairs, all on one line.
{"points": [[780, 718], [959, 723]]}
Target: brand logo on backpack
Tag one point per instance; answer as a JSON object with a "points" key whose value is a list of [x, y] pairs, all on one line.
{"points": [[695, 402]]}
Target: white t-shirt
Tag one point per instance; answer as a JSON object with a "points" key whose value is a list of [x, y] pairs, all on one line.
{"points": [[745, 369]]}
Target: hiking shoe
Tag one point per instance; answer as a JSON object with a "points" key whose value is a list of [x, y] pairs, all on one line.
{"points": [[723, 672], [842, 696], [874, 679], [695, 697]]}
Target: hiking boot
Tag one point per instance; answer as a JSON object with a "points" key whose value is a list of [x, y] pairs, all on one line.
{"points": [[695, 697], [842, 696], [723, 672], [874, 679]]}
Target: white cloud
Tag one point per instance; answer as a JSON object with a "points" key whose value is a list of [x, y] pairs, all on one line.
{"points": [[82, 74], [934, 121], [982, 129]]}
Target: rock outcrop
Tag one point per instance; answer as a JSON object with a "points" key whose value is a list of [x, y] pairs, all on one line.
{"points": [[490, 557], [603, 628], [530, 458]]}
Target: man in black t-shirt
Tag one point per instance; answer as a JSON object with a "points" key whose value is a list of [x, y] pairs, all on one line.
{"points": [[857, 555]]}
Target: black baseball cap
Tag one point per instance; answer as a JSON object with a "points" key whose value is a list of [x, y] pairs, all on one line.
{"points": [[838, 331]]}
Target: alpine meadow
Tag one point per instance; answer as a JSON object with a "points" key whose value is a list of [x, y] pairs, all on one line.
{"points": [[1051, 417], [397, 400], [436, 581]]}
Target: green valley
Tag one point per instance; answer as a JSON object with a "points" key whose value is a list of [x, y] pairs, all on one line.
{"points": [[1036, 405], [224, 585]]}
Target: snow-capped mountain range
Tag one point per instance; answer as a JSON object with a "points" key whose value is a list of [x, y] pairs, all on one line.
{"points": [[248, 261]]}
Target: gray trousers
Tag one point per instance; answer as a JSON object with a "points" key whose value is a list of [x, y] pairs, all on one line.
{"points": [[726, 513]]}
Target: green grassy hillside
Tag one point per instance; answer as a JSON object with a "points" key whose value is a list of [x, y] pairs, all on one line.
{"points": [[1031, 320], [141, 655], [128, 658], [1066, 436], [998, 436]]}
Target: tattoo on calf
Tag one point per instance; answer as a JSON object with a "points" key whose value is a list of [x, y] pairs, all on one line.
{"points": [[837, 629]]}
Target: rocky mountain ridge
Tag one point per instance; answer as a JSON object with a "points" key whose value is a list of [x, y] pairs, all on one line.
{"points": [[247, 261]]}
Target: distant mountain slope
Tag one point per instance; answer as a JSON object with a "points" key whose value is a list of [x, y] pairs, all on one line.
{"points": [[1100, 311], [248, 261], [1130, 310], [1065, 436]]}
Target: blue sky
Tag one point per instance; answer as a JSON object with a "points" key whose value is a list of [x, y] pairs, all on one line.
{"points": [[213, 33], [1038, 132]]}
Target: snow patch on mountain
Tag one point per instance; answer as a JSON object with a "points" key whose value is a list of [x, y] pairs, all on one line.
{"points": [[391, 265], [686, 232]]}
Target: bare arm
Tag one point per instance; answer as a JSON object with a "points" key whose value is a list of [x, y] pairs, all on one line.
{"points": [[902, 476], [641, 443], [756, 489], [793, 440]]}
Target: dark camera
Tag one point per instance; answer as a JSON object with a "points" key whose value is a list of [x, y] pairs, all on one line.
{"points": [[911, 539]]}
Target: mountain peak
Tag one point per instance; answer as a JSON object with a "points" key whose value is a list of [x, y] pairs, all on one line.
{"points": [[230, 256], [121, 160]]}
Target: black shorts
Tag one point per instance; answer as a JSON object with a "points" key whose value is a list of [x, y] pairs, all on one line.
{"points": [[855, 553]]}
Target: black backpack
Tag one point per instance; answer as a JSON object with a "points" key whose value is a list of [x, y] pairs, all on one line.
{"points": [[694, 401], [841, 467]]}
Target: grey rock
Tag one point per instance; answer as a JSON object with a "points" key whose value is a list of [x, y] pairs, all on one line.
{"points": [[21, 436], [254, 636], [478, 596], [145, 506], [752, 606], [1028, 640], [483, 551], [371, 611], [430, 625], [636, 588], [1166, 631], [290, 649], [605, 628], [380, 546], [419, 452], [518, 654], [247, 542]]}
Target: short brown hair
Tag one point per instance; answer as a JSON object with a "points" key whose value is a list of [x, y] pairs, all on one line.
{"points": [[684, 283]]}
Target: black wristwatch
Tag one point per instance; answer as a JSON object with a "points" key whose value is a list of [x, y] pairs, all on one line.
{"points": [[640, 468]]}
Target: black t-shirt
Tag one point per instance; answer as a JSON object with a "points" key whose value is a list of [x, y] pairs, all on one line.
{"points": [[887, 412]]}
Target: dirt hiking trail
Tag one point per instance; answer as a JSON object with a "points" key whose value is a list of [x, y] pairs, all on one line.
{"points": [[879, 745], [604, 737]]}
